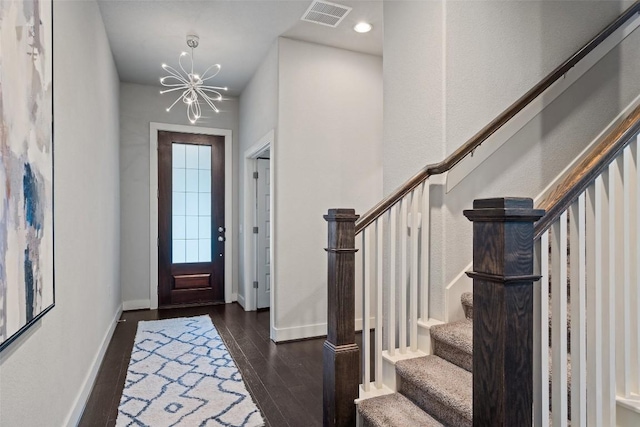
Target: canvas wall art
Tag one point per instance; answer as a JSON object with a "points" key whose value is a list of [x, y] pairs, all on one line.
{"points": [[26, 165]]}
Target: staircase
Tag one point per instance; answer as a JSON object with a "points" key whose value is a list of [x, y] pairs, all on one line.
{"points": [[562, 353], [434, 390]]}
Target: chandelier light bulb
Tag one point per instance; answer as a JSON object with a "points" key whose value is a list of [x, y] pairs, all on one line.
{"points": [[192, 87]]}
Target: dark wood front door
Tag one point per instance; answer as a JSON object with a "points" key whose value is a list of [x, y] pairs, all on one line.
{"points": [[190, 219]]}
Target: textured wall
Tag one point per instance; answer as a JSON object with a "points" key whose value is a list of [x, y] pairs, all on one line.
{"points": [[328, 154], [44, 373], [140, 105], [452, 66], [258, 115]]}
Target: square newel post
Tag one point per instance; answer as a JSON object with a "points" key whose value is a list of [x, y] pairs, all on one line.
{"points": [[340, 354], [503, 310]]}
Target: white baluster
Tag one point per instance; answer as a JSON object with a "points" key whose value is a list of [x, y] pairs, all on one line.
{"points": [[393, 227], [424, 252], [577, 237], [594, 243], [379, 286], [366, 303], [413, 295], [541, 334], [635, 288], [559, 319], [624, 343], [403, 277], [615, 268]]}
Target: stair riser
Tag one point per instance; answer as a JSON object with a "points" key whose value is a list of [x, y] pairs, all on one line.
{"points": [[468, 311], [433, 406], [453, 355]]}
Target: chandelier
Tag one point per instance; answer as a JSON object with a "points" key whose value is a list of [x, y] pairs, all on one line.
{"points": [[192, 86]]}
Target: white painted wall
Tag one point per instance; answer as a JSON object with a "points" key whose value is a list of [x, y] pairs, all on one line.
{"points": [[258, 116], [491, 53], [47, 373], [414, 70], [497, 50], [140, 105], [328, 154], [536, 154]]}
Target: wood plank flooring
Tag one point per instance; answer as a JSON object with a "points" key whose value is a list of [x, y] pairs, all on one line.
{"points": [[285, 380]]}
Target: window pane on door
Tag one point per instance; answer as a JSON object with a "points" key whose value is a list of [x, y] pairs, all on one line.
{"points": [[191, 234]]}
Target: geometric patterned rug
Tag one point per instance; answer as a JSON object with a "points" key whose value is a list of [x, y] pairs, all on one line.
{"points": [[181, 374]]}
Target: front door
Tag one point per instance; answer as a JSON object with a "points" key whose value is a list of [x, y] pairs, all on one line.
{"points": [[190, 219]]}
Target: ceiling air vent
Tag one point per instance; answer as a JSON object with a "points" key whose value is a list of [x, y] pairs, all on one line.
{"points": [[325, 13]]}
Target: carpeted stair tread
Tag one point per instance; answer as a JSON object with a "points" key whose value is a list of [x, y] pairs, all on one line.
{"points": [[394, 410], [454, 342], [440, 388], [467, 304]]}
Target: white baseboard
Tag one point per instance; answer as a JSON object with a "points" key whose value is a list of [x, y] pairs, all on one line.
{"points": [[310, 331], [299, 332], [138, 304], [241, 301], [231, 298], [81, 400]]}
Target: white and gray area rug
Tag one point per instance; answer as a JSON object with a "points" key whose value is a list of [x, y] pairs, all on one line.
{"points": [[181, 374]]}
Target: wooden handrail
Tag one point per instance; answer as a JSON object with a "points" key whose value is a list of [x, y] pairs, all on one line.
{"points": [[477, 140], [587, 171]]}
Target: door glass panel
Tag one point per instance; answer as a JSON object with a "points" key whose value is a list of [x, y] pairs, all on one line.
{"points": [[191, 178]]}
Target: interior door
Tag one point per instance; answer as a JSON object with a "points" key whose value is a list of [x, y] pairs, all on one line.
{"points": [[191, 229], [263, 215]]}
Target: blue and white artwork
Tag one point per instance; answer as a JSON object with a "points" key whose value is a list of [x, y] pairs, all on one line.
{"points": [[26, 165]]}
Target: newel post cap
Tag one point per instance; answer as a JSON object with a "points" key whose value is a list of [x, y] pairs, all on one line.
{"points": [[341, 215], [504, 209]]}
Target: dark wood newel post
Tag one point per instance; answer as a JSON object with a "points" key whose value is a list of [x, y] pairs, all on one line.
{"points": [[341, 355], [503, 311]]}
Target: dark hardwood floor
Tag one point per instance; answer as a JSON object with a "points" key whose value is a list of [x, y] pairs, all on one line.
{"points": [[285, 380]]}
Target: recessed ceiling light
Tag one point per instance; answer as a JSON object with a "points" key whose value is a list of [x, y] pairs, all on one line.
{"points": [[363, 27]]}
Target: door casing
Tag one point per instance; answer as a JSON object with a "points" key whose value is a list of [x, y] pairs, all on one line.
{"points": [[249, 300], [154, 127]]}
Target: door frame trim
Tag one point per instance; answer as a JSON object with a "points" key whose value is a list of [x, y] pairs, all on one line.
{"points": [[250, 155], [154, 127]]}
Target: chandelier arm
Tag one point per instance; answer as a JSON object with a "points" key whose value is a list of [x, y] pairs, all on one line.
{"points": [[174, 73], [209, 89], [212, 87], [190, 114], [206, 95], [208, 101], [182, 55], [216, 98], [175, 102], [174, 89], [203, 78], [176, 86], [170, 81]]}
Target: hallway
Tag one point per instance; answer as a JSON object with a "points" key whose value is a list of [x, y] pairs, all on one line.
{"points": [[285, 380]]}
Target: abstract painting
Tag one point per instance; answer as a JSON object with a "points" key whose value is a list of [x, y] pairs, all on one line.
{"points": [[26, 165]]}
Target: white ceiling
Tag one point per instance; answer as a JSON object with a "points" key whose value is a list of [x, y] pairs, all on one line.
{"points": [[234, 33]]}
